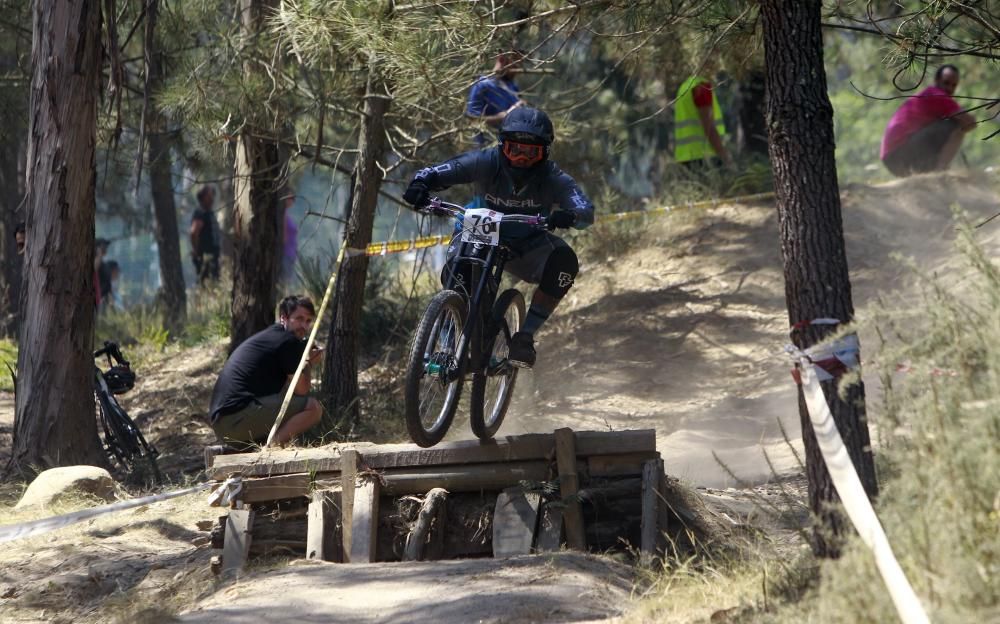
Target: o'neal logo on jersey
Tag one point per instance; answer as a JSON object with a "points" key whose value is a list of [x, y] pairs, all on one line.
{"points": [[513, 203]]}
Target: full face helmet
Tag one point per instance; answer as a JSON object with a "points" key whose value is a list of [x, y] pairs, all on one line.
{"points": [[525, 136]]}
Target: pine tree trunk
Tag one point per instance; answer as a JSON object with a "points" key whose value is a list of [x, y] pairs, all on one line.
{"points": [[817, 284], [259, 170], [10, 199], [12, 135], [259, 176], [340, 373], [172, 294], [55, 419]]}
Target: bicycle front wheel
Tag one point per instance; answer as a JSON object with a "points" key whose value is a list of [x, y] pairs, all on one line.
{"points": [[434, 373], [493, 382]]}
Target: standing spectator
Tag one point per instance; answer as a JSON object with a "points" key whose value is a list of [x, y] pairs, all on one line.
{"points": [[205, 237], [495, 95], [926, 131], [698, 125], [108, 275], [290, 239]]}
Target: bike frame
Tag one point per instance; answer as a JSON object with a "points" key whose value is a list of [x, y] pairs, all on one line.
{"points": [[491, 270]]}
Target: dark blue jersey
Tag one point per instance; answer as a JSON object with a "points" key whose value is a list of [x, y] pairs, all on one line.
{"points": [[540, 190]]}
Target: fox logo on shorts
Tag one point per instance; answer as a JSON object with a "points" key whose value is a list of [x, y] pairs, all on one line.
{"points": [[565, 280]]}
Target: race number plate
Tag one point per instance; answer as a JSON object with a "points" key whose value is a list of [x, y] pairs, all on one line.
{"points": [[481, 225]]}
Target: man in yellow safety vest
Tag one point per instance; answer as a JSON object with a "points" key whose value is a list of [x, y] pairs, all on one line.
{"points": [[698, 125]]}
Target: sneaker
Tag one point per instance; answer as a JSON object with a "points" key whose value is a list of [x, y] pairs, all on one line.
{"points": [[522, 350]]}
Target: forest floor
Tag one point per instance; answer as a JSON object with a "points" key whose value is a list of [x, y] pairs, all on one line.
{"points": [[678, 326]]}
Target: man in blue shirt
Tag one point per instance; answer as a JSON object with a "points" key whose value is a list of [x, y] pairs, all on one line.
{"points": [[495, 95]]}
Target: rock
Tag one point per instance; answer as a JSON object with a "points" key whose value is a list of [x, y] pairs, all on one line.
{"points": [[51, 484]]}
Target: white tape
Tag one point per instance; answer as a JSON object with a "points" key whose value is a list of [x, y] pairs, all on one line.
{"points": [[856, 504], [37, 527]]}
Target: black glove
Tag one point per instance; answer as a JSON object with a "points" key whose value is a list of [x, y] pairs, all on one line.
{"points": [[417, 194], [561, 219]]}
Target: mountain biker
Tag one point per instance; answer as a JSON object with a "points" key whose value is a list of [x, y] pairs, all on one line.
{"points": [[517, 177]]}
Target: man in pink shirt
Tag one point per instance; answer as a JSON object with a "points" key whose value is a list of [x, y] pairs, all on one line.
{"points": [[927, 130]]}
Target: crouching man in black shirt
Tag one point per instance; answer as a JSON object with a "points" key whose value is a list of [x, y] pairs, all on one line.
{"points": [[248, 395]]}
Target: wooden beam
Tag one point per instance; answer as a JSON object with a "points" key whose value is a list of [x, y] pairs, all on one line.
{"points": [[276, 488], [236, 546], [471, 478], [364, 520], [323, 536], [619, 465], [429, 516], [529, 447], [569, 485], [347, 481], [652, 471], [515, 518]]}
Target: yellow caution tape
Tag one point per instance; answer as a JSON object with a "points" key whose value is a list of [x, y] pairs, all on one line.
{"points": [[400, 246]]}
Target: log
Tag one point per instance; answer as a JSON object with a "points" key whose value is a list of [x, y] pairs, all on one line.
{"points": [[472, 478], [430, 517], [565, 445], [529, 447]]}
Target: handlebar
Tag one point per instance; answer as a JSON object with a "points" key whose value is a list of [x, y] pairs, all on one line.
{"points": [[438, 206], [113, 352]]}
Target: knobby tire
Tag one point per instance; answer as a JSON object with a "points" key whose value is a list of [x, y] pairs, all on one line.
{"points": [[486, 419]]}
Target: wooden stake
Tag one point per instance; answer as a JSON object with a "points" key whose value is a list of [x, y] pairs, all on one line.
{"points": [[237, 542], [569, 485], [364, 521], [651, 473], [323, 536], [348, 474]]}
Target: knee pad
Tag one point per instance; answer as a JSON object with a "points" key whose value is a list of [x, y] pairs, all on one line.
{"points": [[559, 273]]}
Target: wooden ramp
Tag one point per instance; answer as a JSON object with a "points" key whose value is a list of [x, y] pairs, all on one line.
{"points": [[584, 490]]}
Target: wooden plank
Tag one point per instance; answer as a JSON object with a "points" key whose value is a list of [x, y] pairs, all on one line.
{"points": [[549, 529], [619, 465], [569, 485], [662, 516], [236, 546], [211, 451], [323, 536], [472, 478], [427, 517], [276, 488], [347, 479], [651, 474], [514, 520], [364, 521], [528, 447]]}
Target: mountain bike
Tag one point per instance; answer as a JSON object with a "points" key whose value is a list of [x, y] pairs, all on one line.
{"points": [[124, 444], [466, 328]]}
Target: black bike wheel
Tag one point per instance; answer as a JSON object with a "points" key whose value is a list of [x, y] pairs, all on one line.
{"points": [[493, 381], [433, 385]]}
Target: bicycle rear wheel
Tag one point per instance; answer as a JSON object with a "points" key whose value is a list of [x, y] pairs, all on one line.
{"points": [[123, 441], [434, 374], [493, 381]]}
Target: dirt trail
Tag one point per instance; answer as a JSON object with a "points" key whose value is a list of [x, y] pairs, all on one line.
{"points": [[681, 332], [684, 332]]}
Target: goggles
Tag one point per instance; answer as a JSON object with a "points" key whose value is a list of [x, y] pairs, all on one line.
{"points": [[523, 154]]}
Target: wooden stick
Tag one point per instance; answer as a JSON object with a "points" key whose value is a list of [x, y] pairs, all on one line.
{"points": [[364, 521], [568, 486], [429, 513], [651, 472]]}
